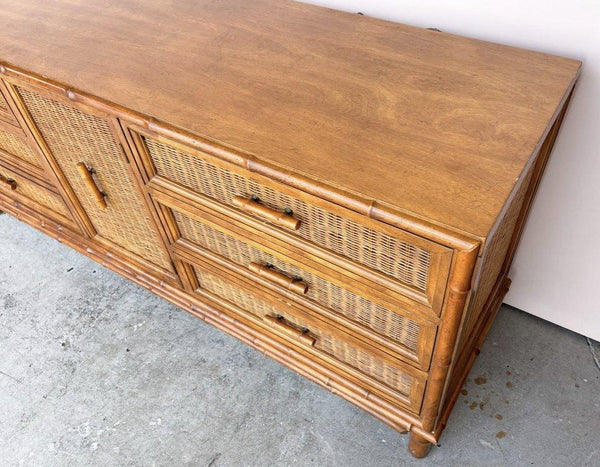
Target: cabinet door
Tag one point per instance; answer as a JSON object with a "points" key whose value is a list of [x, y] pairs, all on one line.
{"points": [[82, 145]]}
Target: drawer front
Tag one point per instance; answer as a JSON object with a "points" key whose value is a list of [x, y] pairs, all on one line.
{"points": [[413, 341], [280, 316], [89, 155], [14, 145], [30, 193], [402, 258]]}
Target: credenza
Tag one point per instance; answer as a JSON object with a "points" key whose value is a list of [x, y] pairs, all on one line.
{"points": [[342, 193]]}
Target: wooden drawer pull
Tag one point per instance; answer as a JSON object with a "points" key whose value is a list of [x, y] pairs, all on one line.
{"points": [[291, 283], [300, 334], [253, 206], [86, 173], [12, 184]]}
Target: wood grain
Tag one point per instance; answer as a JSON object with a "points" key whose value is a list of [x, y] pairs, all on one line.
{"points": [[395, 166], [434, 124]]}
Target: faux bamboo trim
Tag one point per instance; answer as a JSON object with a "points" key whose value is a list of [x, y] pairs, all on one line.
{"points": [[432, 401], [179, 201], [186, 251], [439, 255], [278, 218], [301, 335], [48, 164], [472, 346], [335, 383], [321, 322], [98, 195], [19, 165], [290, 283], [369, 208], [459, 287]]}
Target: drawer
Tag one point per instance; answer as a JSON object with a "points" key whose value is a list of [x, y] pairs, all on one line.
{"points": [[406, 338], [418, 266], [390, 379], [36, 196], [15, 149]]}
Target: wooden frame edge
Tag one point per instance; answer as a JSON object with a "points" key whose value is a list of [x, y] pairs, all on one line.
{"points": [[442, 234], [398, 419]]}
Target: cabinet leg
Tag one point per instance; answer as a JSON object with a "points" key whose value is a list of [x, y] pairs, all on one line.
{"points": [[417, 446]]}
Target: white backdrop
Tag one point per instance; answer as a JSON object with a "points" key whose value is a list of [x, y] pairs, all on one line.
{"points": [[556, 273]]}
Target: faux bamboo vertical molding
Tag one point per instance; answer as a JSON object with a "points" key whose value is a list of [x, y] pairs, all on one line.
{"points": [[459, 287], [390, 342], [38, 145]]}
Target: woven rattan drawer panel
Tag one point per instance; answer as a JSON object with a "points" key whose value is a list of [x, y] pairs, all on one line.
{"points": [[32, 192], [17, 147], [393, 377], [389, 324], [74, 136], [398, 259], [354, 218]]}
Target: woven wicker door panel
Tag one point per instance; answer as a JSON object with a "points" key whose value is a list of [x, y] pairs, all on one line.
{"points": [[390, 324], [74, 137], [32, 194], [391, 256], [324, 341]]}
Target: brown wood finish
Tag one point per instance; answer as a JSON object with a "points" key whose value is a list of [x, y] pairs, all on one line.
{"points": [[125, 225], [10, 183], [87, 174], [268, 272], [313, 87], [163, 188], [278, 218], [295, 313], [385, 172], [6, 114]]}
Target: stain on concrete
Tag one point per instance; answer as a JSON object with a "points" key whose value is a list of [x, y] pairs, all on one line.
{"points": [[480, 380], [501, 434], [464, 392], [92, 386], [509, 384], [498, 416]]}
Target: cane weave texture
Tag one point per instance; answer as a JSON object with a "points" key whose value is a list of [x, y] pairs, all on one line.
{"points": [[35, 193], [495, 253], [365, 312], [378, 251], [73, 136], [17, 147], [325, 342]]}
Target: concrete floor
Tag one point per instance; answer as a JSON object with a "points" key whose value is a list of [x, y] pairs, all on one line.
{"points": [[96, 371]]}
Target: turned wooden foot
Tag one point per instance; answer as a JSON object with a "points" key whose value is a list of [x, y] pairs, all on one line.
{"points": [[417, 446]]}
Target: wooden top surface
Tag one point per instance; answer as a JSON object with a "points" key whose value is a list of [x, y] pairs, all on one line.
{"points": [[434, 124]]}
